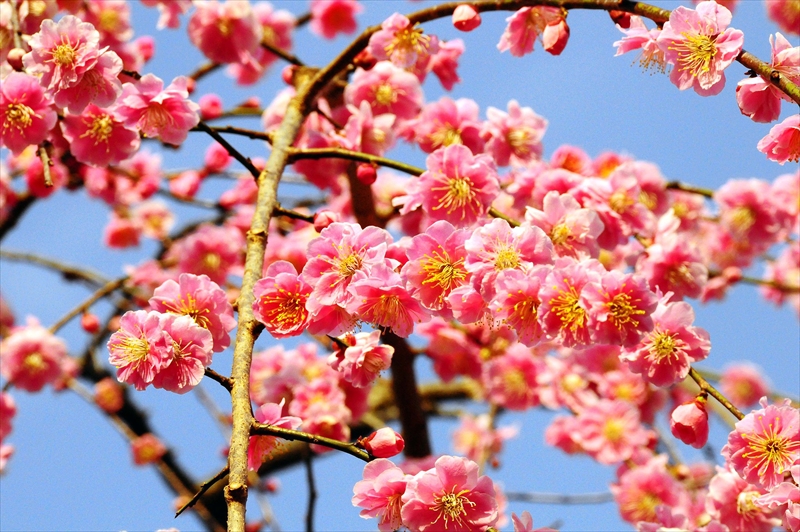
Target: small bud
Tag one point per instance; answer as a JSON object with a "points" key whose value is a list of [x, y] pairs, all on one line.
{"points": [[287, 74], [733, 274], [367, 173], [323, 219], [365, 60], [384, 443], [621, 18], [689, 422], [14, 58], [90, 323], [253, 526], [191, 84], [252, 102], [555, 36], [466, 18], [108, 395], [147, 449], [210, 106]]}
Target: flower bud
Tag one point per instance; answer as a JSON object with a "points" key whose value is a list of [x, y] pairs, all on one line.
{"points": [[621, 18], [555, 36], [147, 449], [466, 18], [210, 106], [90, 323], [689, 422], [14, 59], [108, 395], [384, 443], [323, 219], [366, 173]]}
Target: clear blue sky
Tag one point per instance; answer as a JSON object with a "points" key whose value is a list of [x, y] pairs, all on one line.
{"points": [[73, 471]]}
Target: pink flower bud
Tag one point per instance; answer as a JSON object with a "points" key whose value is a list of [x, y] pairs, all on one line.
{"points": [[555, 36], [733, 274], [366, 173], [191, 84], [210, 106], [384, 443], [90, 323], [108, 395], [365, 59], [14, 58], [146, 46], [689, 422], [466, 18], [323, 219], [217, 158], [147, 449], [252, 102], [622, 18], [287, 74]]}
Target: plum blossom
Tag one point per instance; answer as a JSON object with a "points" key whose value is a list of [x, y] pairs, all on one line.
{"points": [[191, 353], [167, 114], [331, 17], [784, 13], [689, 422], [619, 307], [7, 411], [572, 229], [638, 37], [139, 349], [732, 501], [384, 443], [26, 112], [457, 186], [380, 493], [700, 46], [387, 88], [276, 29], [260, 447], [611, 431], [524, 523], [477, 439], [466, 18], [450, 494], [641, 490], [444, 63], [447, 122], [147, 449], [514, 137], [280, 300], [212, 251], [225, 32], [31, 357], [401, 42], [516, 302], [524, 26], [743, 384], [169, 11], [510, 380], [361, 362], [98, 137], [765, 444], [757, 97], [782, 143]]}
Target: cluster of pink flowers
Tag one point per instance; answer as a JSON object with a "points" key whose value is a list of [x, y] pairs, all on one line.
{"points": [[170, 345]]}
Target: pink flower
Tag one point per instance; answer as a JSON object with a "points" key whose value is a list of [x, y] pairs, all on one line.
{"points": [[122, 231], [72, 67], [514, 137], [785, 14], [191, 353], [444, 63], [384, 443], [280, 300], [466, 18], [363, 359], [765, 444], [31, 357], [611, 431], [147, 449], [700, 46], [619, 308], [139, 349], [783, 141], [169, 9], [641, 490], [572, 229], [524, 523], [665, 354], [524, 26], [517, 302], [225, 33], [97, 137], [555, 36], [457, 186], [380, 493], [108, 395], [261, 447], [369, 134], [749, 211], [510, 380], [477, 439], [785, 497], [447, 122], [154, 218], [757, 97], [276, 29], [401, 42], [210, 106], [212, 251], [638, 37], [387, 88], [26, 112], [450, 494], [689, 422], [167, 114], [452, 351], [743, 384], [203, 300], [732, 501], [330, 17]]}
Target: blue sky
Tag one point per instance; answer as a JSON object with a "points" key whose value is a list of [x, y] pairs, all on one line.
{"points": [[73, 471]]}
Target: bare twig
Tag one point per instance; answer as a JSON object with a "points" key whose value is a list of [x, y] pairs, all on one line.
{"points": [[203, 488]]}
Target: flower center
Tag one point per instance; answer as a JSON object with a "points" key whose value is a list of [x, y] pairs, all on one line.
{"points": [[793, 148], [458, 195], [136, 349], [769, 449], [349, 265], [34, 362], [663, 346], [446, 135], [407, 41], [567, 307], [290, 310], [385, 94], [619, 202], [18, 115], [212, 261], [614, 430], [745, 503], [742, 218], [560, 234], [156, 117], [507, 258], [450, 508], [519, 139], [101, 128], [64, 55], [224, 26], [443, 271], [622, 311], [696, 53], [188, 307]]}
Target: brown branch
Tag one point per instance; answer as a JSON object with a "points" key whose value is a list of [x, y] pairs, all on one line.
{"points": [[294, 215], [258, 135], [262, 429], [296, 154], [46, 163], [677, 185], [204, 70], [283, 54], [246, 162], [203, 488], [105, 290], [24, 202], [69, 272], [710, 390], [222, 379]]}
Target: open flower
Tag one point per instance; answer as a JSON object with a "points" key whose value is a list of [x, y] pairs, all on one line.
{"points": [[139, 349], [25, 111]]}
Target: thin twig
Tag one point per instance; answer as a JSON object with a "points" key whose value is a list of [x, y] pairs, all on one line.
{"points": [[312, 492], [710, 390], [108, 288], [263, 429], [250, 133], [677, 185], [204, 70], [202, 126], [203, 488], [296, 154], [24, 202], [222, 379], [280, 211], [70, 272], [283, 54], [46, 163], [561, 498]]}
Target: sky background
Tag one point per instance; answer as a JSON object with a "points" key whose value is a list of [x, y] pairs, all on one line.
{"points": [[73, 471]]}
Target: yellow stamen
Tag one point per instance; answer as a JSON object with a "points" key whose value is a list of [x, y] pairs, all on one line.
{"points": [[441, 270], [385, 94], [662, 346], [568, 309], [450, 508], [622, 312], [100, 129], [507, 258], [459, 194], [18, 115], [408, 40], [560, 234], [696, 53], [34, 362], [64, 55]]}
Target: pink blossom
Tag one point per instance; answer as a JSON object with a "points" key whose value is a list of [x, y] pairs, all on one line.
{"points": [[555, 36], [382, 300], [210, 106], [186, 184], [384, 443], [444, 63], [457, 186], [749, 212], [122, 231], [112, 18], [785, 14], [154, 218], [689, 422], [167, 114], [225, 33], [699, 45], [280, 300], [765, 444], [97, 137], [27, 115], [619, 308], [5, 453], [401, 42], [330, 17], [276, 29], [139, 349], [572, 229], [34, 177], [516, 303], [380, 493], [452, 351], [785, 271], [363, 359], [477, 439], [466, 18], [524, 523], [200, 298], [147, 449], [169, 10], [72, 67], [524, 26], [191, 353], [369, 134], [447, 122], [387, 89], [7, 411], [743, 384], [641, 490], [514, 137], [210, 250], [638, 37], [757, 97], [32, 357], [785, 497], [665, 354], [138, 179], [782, 143], [610, 431], [261, 447], [732, 501], [109, 395], [452, 493], [510, 380], [216, 159]]}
